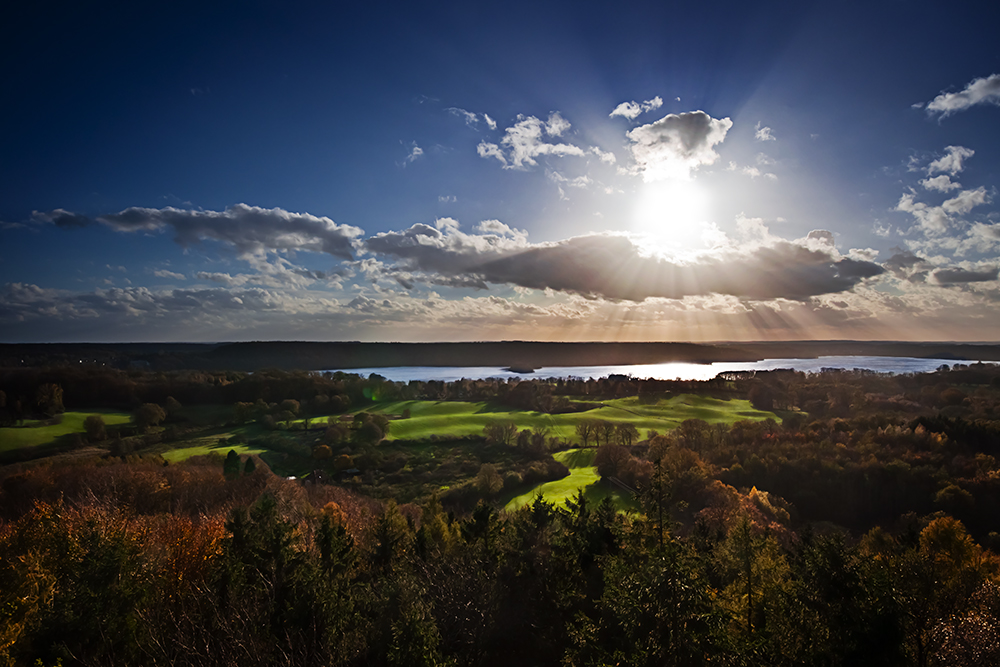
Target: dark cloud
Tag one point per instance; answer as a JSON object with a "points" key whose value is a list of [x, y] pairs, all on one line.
{"points": [[614, 267], [250, 229], [915, 269], [61, 218], [907, 266], [961, 276]]}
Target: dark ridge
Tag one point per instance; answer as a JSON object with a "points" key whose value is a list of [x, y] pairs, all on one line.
{"points": [[318, 356], [291, 355]]}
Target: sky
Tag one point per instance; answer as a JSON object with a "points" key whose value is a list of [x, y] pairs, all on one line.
{"points": [[482, 171]]}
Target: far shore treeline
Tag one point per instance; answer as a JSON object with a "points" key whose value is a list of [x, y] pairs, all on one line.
{"points": [[296, 355]]}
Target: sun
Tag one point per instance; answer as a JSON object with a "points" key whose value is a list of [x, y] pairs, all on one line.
{"points": [[672, 215]]}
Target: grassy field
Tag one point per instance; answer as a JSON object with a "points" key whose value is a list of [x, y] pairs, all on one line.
{"points": [[213, 442], [582, 475], [32, 435], [204, 446], [457, 419]]}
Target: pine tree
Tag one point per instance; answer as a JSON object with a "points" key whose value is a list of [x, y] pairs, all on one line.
{"points": [[231, 468]]}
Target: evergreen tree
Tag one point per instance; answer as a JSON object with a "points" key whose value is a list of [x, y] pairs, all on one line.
{"points": [[231, 468]]}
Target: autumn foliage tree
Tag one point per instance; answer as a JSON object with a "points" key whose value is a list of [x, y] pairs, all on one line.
{"points": [[95, 428], [502, 432], [148, 415]]}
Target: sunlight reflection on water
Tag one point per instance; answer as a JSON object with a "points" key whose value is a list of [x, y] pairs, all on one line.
{"points": [[668, 371]]}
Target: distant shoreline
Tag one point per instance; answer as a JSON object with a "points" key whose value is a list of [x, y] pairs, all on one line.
{"points": [[292, 355]]}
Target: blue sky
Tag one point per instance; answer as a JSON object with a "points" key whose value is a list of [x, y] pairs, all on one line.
{"points": [[552, 171]]}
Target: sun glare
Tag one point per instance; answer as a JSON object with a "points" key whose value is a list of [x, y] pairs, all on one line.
{"points": [[672, 215]]}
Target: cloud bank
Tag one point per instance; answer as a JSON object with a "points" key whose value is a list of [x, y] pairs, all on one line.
{"points": [[615, 267], [251, 230]]}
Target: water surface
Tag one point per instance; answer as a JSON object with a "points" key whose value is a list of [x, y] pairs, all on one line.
{"points": [[668, 371]]}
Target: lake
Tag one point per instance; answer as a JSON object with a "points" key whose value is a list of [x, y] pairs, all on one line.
{"points": [[667, 371]]}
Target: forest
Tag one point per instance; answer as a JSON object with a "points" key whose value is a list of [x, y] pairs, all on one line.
{"points": [[193, 517]]}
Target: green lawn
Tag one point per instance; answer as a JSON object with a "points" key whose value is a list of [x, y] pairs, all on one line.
{"points": [[457, 419], [582, 475], [691, 406], [72, 422], [209, 445]]}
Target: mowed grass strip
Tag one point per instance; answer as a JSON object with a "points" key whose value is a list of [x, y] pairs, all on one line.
{"points": [[210, 446], [582, 475], [691, 406], [72, 422]]}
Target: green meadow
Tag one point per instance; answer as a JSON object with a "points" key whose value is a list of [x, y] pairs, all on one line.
{"points": [[205, 446], [449, 419], [35, 433], [215, 442]]}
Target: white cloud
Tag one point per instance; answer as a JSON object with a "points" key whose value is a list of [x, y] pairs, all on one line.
{"points": [[631, 110], [951, 162], [934, 220], [982, 237], [754, 172], [980, 91], [486, 149], [501, 229], [556, 124], [163, 273], [763, 133], [942, 183], [578, 182], [222, 278], [415, 152], [560, 180], [470, 118], [881, 230], [447, 199], [447, 223], [603, 156], [753, 229], [966, 200], [865, 254], [677, 144], [524, 141]]}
